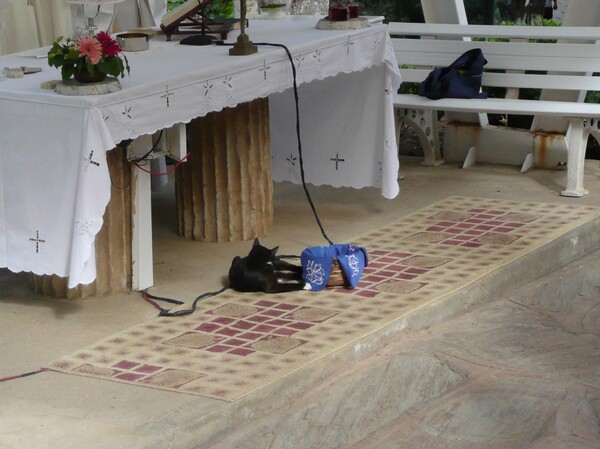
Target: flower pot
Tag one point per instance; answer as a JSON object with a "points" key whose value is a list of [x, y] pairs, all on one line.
{"points": [[85, 77], [352, 10]]}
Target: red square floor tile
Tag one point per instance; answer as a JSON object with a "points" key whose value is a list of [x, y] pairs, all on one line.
{"points": [[278, 322], [250, 336], [223, 320], [208, 327], [258, 318], [131, 377], [244, 325], [218, 348], [274, 313], [147, 369], [264, 328], [367, 293], [284, 306], [125, 364], [241, 351], [229, 332]]}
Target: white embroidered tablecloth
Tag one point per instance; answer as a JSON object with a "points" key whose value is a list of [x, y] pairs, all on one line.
{"points": [[54, 180]]}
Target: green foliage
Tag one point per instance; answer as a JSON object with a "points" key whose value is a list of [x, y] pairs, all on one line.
{"points": [[221, 8], [592, 96], [409, 88], [218, 8], [172, 4], [111, 66], [549, 23]]}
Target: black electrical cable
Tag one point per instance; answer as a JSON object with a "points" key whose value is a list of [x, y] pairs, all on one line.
{"points": [[165, 312], [300, 159], [296, 98]]}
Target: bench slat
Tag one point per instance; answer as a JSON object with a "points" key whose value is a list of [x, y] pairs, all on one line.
{"points": [[501, 105], [571, 33], [498, 48], [505, 63], [518, 80], [513, 56]]}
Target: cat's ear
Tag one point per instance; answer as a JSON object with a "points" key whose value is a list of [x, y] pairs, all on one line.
{"points": [[274, 251], [256, 242]]}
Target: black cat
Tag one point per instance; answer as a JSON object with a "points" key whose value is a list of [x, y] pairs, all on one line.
{"points": [[262, 271]]}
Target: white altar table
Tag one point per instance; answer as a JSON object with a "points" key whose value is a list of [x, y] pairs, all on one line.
{"points": [[54, 180]]}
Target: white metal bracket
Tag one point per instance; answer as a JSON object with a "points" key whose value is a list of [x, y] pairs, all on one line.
{"points": [[471, 158], [527, 163], [425, 124]]}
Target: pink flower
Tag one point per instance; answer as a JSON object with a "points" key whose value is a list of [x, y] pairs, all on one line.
{"points": [[109, 45], [90, 47]]}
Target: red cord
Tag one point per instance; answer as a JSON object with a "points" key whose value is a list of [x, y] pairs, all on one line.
{"points": [[4, 379], [167, 172], [155, 304]]}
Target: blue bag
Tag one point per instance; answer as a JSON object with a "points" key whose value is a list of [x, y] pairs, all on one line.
{"points": [[318, 260], [461, 79]]}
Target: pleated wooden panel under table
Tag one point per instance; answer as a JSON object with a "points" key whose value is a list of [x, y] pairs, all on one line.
{"points": [[225, 190], [113, 242]]}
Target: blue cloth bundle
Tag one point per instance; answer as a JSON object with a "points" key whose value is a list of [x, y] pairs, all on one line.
{"points": [[317, 262]]}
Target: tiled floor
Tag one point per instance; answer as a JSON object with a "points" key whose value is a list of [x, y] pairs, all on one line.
{"points": [[236, 343]]}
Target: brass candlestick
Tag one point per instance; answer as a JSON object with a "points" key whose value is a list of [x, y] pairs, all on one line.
{"points": [[243, 45]]}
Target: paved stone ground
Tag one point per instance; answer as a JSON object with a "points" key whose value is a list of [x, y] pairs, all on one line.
{"points": [[443, 386], [521, 371], [531, 363]]}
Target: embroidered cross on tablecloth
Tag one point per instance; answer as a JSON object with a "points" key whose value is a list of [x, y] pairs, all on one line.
{"points": [[91, 160], [337, 160], [347, 45], [37, 241], [264, 69], [167, 94]]}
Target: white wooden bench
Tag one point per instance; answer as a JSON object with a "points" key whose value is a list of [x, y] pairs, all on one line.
{"points": [[512, 65]]}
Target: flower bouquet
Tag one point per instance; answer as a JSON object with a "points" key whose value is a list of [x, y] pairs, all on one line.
{"points": [[89, 58]]}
